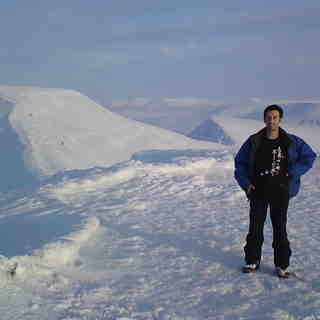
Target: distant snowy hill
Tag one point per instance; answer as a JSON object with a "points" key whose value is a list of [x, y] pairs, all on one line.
{"points": [[52, 130], [302, 111], [311, 122], [293, 111], [179, 115], [210, 130], [237, 130], [188, 115]]}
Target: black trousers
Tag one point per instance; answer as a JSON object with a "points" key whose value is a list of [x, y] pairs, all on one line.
{"points": [[277, 199]]}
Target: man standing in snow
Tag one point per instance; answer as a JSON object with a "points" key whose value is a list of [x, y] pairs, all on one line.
{"points": [[268, 168]]}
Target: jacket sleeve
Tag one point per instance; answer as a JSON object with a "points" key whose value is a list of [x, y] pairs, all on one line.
{"points": [[305, 159], [242, 165]]}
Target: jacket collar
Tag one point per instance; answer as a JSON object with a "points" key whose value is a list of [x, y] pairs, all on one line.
{"points": [[256, 138]]}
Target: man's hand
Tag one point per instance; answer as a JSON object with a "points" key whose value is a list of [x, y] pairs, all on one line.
{"points": [[250, 189]]}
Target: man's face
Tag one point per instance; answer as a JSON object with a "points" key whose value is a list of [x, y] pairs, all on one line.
{"points": [[272, 120]]}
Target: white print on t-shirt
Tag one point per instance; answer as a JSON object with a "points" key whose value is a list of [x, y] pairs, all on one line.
{"points": [[277, 155]]}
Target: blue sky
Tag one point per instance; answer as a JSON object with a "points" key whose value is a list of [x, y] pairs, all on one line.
{"points": [[117, 49]]}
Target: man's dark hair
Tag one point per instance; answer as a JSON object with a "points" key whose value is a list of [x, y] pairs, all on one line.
{"points": [[271, 108]]}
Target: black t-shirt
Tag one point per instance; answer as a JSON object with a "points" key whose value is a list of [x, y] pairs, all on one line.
{"points": [[271, 164]]}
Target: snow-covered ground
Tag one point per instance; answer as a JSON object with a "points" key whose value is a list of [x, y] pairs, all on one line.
{"points": [[158, 236]]}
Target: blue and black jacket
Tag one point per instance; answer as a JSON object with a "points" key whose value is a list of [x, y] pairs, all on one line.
{"points": [[300, 159]]}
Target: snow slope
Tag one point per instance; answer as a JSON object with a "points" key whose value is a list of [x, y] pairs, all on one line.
{"points": [[161, 237], [62, 130]]}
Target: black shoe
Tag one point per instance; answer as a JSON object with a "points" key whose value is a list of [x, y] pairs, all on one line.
{"points": [[282, 273], [249, 268]]}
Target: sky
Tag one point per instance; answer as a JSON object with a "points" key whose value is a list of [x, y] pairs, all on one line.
{"points": [[119, 49]]}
